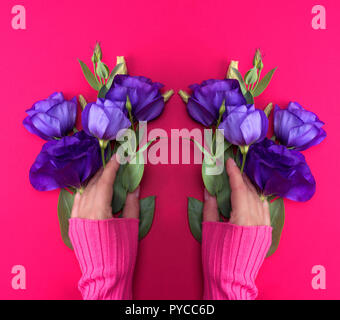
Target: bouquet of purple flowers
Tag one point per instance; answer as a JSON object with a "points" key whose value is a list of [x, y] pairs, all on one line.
{"points": [[70, 157], [275, 166]]}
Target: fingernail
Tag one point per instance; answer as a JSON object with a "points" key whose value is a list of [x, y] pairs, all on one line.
{"points": [[116, 156], [77, 196], [136, 192], [206, 194], [232, 162]]}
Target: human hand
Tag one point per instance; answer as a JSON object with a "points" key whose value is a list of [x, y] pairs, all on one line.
{"points": [[95, 201], [247, 207]]}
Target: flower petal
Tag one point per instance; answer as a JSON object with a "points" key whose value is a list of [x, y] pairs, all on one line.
{"points": [[251, 127], [97, 121], [46, 124]]}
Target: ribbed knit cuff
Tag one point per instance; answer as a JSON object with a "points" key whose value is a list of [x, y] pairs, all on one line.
{"points": [[106, 251], [232, 256]]}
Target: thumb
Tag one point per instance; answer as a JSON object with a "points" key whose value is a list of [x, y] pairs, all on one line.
{"points": [[210, 208], [131, 208]]}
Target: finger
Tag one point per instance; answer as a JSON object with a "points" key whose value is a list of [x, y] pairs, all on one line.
{"points": [[109, 174], [254, 197], [249, 184], [210, 208], [266, 212], [75, 207], [104, 186], [131, 208], [95, 178], [237, 185]]}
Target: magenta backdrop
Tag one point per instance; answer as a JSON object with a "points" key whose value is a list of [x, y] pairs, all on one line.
{"points": [[177, 42]]}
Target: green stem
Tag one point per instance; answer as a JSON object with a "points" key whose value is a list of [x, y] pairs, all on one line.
{"points": [[244, 151], [244, 156], [102, 151], [212, 143], [131, 120]]}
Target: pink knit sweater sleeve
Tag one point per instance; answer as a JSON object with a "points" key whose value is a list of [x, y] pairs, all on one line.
{"points": [[232, 256], [106, 251]]}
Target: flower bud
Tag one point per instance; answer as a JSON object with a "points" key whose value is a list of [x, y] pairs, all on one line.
{"points": [[167, 95], [98, 52], [94, 58], [128, 104], [222, 108], [268, 109], [185, 96], [103, 143], [257, 62], [230, 73], [244, 149], [82, 101], [123, 68]]}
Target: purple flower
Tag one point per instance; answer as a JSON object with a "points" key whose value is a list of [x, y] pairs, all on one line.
{"points": [[104, 119], [278, 171], [68, 162], [146, 100], [244, 125], [297, 128], [51, 118], [206, 100]]}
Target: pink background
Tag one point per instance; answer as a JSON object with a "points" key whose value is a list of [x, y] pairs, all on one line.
{"points": [[177, 42]]}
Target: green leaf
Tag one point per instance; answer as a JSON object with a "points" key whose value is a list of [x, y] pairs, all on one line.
{"points": [[262, 85], [223, 201], [112, 75], [237, 157], [65, 204], [202, 149], [218, 185], [277, 219], [108, 152], [119, 191], [249, 97], [223, 195], [134, 169], [102, 70], [91, 79], [239, 77], [195, 215], [104, 89], [133, 173], [251, 76], [213, 183], [219, 152], [145, 146], [229, 153], [146, 213]]}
